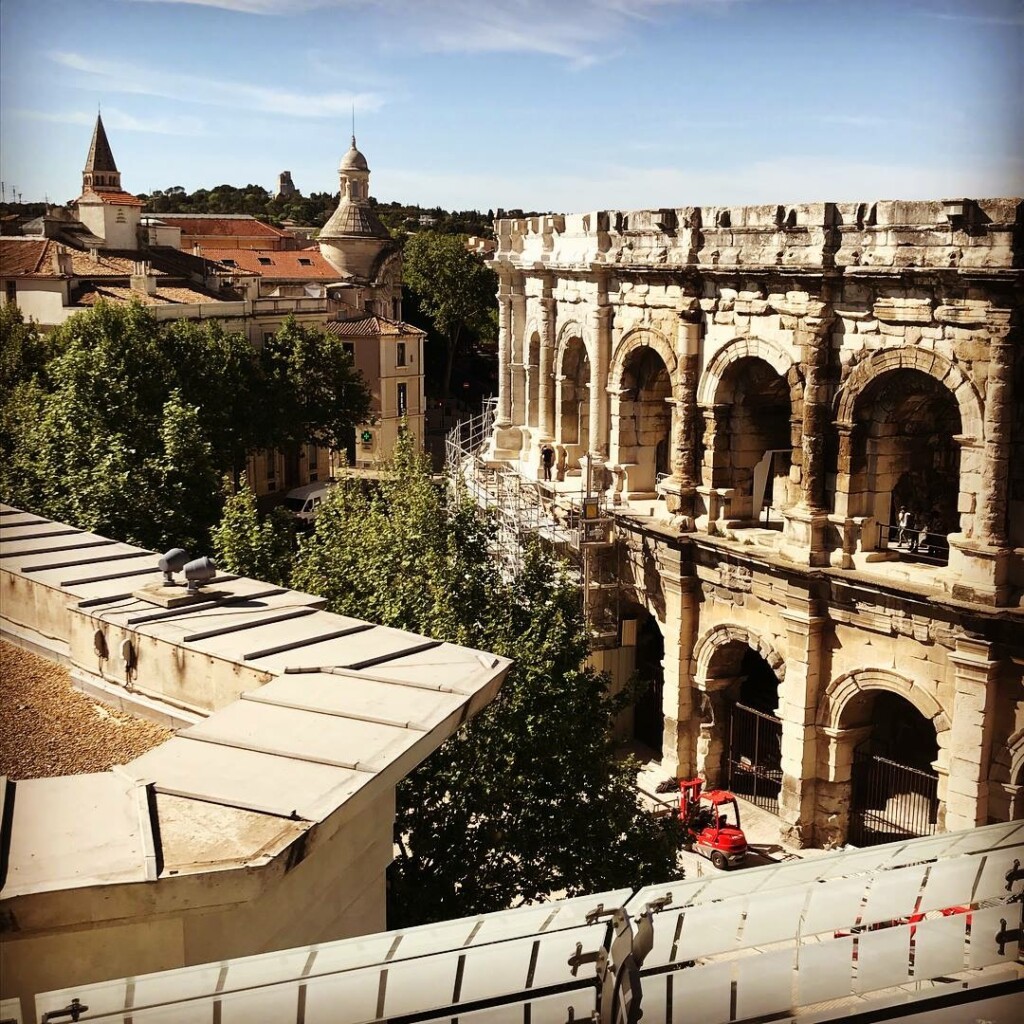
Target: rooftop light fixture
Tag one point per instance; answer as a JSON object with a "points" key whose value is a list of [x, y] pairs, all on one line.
{"points": [[173, 561]]}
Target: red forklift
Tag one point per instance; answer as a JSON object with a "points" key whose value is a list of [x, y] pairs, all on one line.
{"points": [[712, 823]]}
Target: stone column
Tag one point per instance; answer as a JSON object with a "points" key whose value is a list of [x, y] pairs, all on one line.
{"points": [[835, 781], [681, 611], [681, 487], [970, 742], [545, 392], [505, 441], [711, 724], [805, 524], [979, 565], [716, 458], [798, 709], [519, 356], [600, 333]]}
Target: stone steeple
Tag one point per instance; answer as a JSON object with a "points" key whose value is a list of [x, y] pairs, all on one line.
{"points": [[354, 240], [100, 171]]}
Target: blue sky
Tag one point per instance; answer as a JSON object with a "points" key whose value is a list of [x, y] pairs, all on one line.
{"points": [[541, 104]]}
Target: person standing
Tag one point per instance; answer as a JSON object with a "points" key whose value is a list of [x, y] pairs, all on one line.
{"points": [[547, 457], [905, 525]]}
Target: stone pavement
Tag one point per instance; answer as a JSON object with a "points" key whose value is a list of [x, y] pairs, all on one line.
{"points": [[761, 828]]}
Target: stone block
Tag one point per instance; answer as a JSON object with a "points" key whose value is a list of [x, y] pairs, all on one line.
{"points": [[893, 330]]}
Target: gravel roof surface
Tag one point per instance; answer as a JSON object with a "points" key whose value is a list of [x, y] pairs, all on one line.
{"points": [[47, 727]]}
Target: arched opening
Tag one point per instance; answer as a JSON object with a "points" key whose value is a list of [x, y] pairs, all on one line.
{"points": [[751, 450], [893, 784], [648, 714], [743, 697], [904, 456], [574, 401], [642, 424], [532, 380]]}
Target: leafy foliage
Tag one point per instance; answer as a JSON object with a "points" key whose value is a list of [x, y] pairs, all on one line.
{"points": [[249, 544], [455, 290], [123, 425], [530, 793]]}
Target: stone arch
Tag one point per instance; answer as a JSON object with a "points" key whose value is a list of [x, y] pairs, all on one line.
{"points": [[950, 375], [723, 635], [568, 331], [741, 348], [846, 687], [641, 337]]}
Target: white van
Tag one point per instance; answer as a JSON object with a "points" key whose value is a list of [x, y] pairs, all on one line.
{"points": [[304, 502]]}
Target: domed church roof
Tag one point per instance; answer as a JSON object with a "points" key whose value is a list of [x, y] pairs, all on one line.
{"points": [[353, 160]]}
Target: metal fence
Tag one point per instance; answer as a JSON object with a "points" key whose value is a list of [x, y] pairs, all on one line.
{"points": [[890, 801]]}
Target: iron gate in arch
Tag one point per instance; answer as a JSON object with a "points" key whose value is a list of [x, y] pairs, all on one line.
{"points": [[753, 756], [890, 801]]}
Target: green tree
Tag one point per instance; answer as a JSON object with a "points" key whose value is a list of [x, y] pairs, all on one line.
{"points": [[249, 544], [530, 793], [24, 351], [456, 291], [314, 393]]}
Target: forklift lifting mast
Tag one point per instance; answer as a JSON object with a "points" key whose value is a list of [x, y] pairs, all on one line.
{"points": [[705, 816]]}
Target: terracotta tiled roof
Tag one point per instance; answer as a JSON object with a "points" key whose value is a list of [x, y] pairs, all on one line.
{"points": [[290, 265], [371, 327], [111, 198], [232, 227], [162, 296], [20, 257]]}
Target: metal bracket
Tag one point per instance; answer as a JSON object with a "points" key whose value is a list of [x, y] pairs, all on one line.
{"points": [[74, 1011], [579, 958], [1003, 936], [597, 913], [1015, 874]]}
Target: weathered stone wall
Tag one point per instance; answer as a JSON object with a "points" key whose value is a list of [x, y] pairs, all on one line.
{"points": [[843, 340]]}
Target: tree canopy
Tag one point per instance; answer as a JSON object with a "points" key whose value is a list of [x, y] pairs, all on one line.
{"points": [[530, 793], [121, 424], [455, 290]]}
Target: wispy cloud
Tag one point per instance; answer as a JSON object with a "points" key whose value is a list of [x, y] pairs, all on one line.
{"points": [[124, 77], [120, 121], [579, 31], [1009, 19]]}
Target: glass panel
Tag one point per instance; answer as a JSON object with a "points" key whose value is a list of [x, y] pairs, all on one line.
{"points": [[162, 988], [197, 1012], [420, 984], [500, 968], [950, 883], [823, 970], [276, 1004], [834, 904], [655, 1001], [764, 984], [702, 994], [992, 884], [356, 991], [773, 916], [985, 925], [939, 947], [265, 970], [348, 953], [893, 894], [666, 924], [883, 958], [710, 928], [553, 959]]}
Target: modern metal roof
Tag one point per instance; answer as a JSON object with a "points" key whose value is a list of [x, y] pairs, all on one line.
{"points": [[348, 708], [821, 940]]}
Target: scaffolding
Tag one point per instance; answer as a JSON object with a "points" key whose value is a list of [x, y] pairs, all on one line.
{"points": [[573, 525]]}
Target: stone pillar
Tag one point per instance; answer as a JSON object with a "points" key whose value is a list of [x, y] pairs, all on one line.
{"points": [[600, 332], [519, 355], [545, 390], [971, 728], [979, 565], [506, 439], [805, 524], [717, 458], [832, 803], [680, 629], [681, 487], [798, 709], [713, 717]]}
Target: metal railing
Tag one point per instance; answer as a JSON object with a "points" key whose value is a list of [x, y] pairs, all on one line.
{"points": [[914, 543]]}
